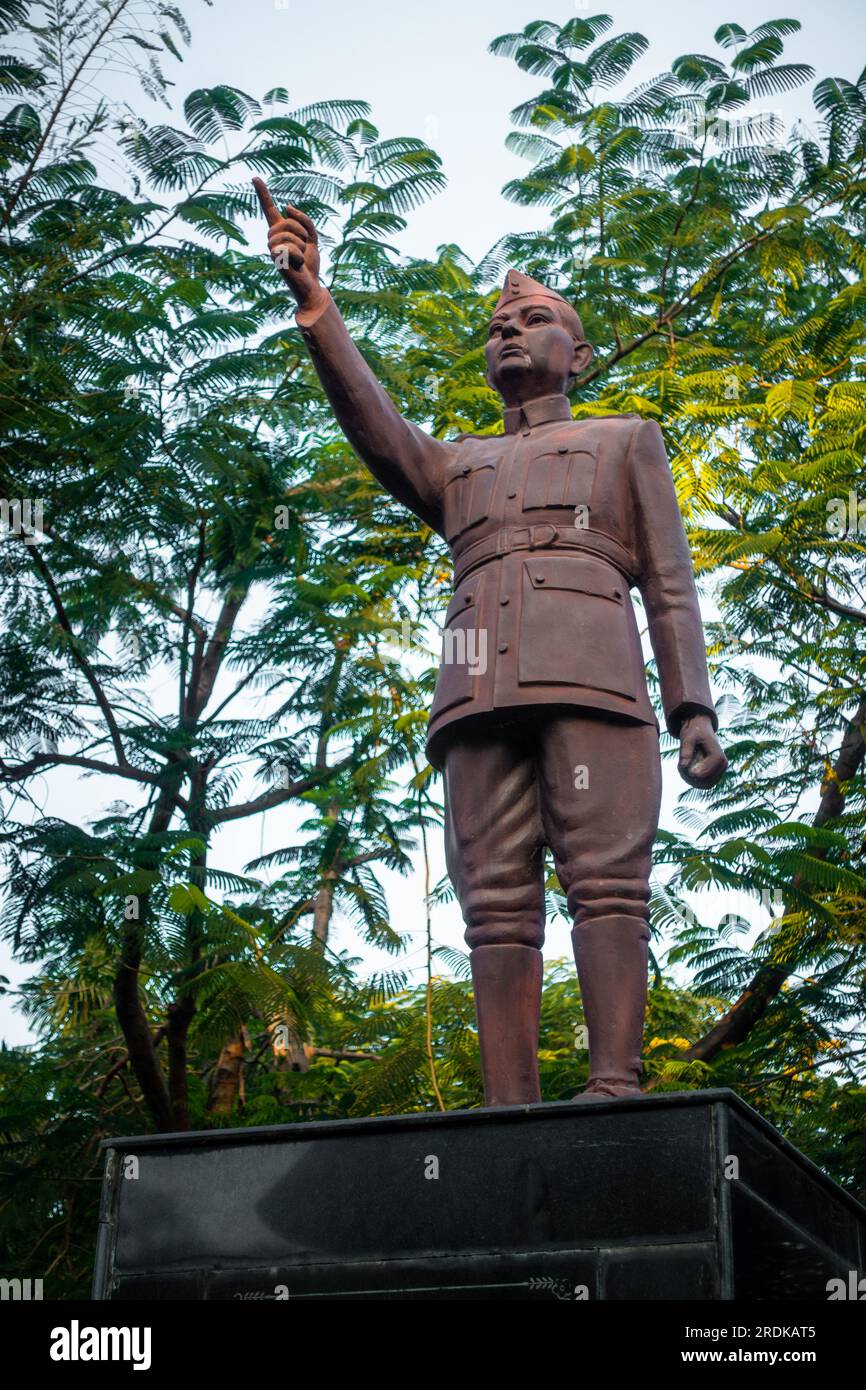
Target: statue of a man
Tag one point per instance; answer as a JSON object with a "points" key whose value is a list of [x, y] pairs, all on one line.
{"points": [[552, 741]]}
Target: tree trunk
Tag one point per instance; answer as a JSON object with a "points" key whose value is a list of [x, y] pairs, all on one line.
{"points": [[182, 1010], [323, 907], [180, 1014], [227, 1081], [127, 1000], [136, 1032]]}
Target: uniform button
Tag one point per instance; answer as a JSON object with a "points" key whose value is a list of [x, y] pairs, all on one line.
{"points": [[513, 493], [505, 600], [539, 579], [503, 646], [465, 469], [563, 448], [468, 598]]}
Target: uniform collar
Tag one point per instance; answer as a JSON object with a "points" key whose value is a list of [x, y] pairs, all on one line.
{"points": [[539, 412]]}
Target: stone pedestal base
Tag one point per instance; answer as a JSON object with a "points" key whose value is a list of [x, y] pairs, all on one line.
{"points": [[685, 1196]]}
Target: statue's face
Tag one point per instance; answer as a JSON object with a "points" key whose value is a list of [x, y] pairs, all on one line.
{"points": [[531, 352]]}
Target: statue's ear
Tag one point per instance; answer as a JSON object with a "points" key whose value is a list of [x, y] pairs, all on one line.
{"points": [[583, 355]]}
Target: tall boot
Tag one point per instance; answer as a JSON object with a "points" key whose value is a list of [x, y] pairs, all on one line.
{"points": [[507, 984], [611, 958]]}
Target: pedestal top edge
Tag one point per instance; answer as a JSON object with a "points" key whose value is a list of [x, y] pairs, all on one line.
{"points": [[541, 1110]]}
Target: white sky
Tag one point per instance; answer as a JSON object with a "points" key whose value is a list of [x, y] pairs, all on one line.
{"points": [[425, 71]]}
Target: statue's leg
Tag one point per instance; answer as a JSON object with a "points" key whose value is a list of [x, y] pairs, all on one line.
{"points": [[600, 788], [494, 856]]}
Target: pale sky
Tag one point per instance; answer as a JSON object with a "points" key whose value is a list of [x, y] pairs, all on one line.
{"points": [[426, 72]]}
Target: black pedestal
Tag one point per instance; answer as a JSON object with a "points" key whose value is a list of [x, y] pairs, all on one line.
{"points": [[686, 1196]]}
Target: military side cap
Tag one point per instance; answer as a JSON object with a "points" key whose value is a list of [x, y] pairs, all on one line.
{"points": [[518, 286]]}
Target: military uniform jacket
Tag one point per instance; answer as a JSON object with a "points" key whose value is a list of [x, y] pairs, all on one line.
{"points": [[550, 526]]}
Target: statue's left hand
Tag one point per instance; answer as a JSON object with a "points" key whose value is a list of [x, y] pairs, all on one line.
{"points": [[701, 761]]}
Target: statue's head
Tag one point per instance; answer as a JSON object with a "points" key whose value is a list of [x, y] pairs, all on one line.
{"points": [[535, 344]]}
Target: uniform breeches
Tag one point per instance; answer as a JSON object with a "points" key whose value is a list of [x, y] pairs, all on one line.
{"points": [[587, 787]]}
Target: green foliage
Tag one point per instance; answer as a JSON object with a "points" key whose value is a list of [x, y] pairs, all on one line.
{"points": [[719, 270], [202, 619]]}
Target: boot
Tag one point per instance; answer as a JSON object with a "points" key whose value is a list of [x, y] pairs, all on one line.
{"points": [[611, 958], [507, 985]]}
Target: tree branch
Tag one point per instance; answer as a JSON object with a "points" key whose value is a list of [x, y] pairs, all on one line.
{"points": [[209, 659], [769, 978], [24, 770], [79, 657], [268, 800], [58, 106]]}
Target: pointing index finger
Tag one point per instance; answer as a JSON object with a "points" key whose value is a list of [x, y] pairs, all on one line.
{"points": [[268, 206]]}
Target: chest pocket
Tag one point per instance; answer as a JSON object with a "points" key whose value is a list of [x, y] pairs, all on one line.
{"points": [[560, 478], [468, 491]]}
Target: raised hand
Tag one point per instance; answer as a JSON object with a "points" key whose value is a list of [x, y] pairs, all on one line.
{"points": [[701, 762], [294, 248]]}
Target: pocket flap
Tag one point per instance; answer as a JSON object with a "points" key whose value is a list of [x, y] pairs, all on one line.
{"points": [[578, 573], [567, 451], [464, 599], [469, 463]]}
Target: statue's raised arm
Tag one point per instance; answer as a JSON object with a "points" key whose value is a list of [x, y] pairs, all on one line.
{"points": [[407, 462]]}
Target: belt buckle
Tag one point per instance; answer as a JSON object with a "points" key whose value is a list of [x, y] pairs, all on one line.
{"points": [[542, 534]]}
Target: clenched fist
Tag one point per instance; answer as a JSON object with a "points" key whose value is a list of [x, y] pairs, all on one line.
{"points": [[701, 761], [294, 248]]}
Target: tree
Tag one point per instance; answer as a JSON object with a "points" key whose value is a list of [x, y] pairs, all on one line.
{"points": [[186, 470]]}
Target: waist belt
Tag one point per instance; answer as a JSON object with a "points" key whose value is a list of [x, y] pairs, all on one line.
{"points": [[544, 537]]}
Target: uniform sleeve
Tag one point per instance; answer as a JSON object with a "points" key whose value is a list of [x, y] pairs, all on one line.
{"points": [[407, 462], [666, 582]]}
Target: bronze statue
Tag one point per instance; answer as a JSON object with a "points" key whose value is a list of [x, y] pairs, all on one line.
{"points": [[551, 740]]}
